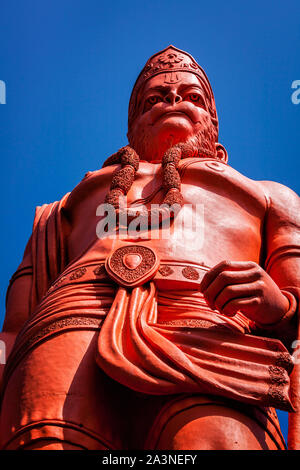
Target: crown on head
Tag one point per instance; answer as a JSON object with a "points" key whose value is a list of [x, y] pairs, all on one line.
{"points": [[168, 60]]}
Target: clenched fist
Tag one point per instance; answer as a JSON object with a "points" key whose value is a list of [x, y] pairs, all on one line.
{"points": [[244, 286]]}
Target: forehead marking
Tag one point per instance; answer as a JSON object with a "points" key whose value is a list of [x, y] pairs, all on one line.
{"points": [[172, 77]]}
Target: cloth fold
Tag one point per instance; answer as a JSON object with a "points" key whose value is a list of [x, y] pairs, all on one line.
{"points": [[157, 358]]}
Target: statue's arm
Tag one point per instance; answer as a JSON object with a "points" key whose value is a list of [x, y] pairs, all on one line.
{"points": [[267, 293], [17, 305], [282, 251], [18, 294]]}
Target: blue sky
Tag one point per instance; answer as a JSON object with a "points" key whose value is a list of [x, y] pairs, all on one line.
{"points": [[69, 67]]}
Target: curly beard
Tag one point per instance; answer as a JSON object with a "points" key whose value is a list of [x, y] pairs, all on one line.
{"points": [[202, 144]]}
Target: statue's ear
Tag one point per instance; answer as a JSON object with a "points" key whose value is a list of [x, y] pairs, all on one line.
{"points": [[221, 152]]}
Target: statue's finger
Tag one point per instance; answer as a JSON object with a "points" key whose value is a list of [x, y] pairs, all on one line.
{"points": [[236, 291], [224, 266], [226, 278], [246, 306]]}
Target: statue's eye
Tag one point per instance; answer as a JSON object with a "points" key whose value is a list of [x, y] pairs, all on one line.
{"points": [[194, 97], [153, 100]]}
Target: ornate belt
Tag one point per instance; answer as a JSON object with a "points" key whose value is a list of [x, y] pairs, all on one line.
{"points": [[133, 265]]}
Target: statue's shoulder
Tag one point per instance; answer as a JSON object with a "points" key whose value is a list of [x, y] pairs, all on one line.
{"points": [[92, 181], [101, 177], [278, 192], [107, 170], [102, 173], [282, 201]]}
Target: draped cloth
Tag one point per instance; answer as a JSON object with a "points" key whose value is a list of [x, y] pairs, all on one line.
{"points": [[161, 358], [45, 255], [48, 250]]}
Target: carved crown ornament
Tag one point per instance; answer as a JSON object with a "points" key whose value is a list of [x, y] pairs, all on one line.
{"points": [[169, 61]]}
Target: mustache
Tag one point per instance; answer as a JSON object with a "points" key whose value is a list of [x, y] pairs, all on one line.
{"points": [[180, 108]]}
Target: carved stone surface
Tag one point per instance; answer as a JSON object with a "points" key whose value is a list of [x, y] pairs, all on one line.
{"points": [[165, 270], [78, 274], [140, 267], [190, 273], [166, 337]]}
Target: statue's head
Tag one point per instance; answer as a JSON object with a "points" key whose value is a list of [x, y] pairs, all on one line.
{"points": [[172, 102], [172, 115]]}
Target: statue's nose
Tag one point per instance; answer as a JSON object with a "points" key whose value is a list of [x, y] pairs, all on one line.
{"points": [[172, 98]]}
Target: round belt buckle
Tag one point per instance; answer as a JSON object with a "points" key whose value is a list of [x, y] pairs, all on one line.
{"points": [[132, 265]]}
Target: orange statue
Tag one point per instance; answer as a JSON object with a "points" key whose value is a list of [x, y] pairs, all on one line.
{"points": [[157, 303]]}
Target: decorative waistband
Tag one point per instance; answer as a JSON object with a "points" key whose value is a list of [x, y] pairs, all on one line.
{"points": [[167, 275]]}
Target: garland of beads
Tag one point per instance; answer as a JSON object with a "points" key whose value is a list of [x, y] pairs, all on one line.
{"points": [[124, 177]]}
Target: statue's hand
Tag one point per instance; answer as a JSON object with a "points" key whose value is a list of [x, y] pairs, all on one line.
{"points": [[244, 286]]}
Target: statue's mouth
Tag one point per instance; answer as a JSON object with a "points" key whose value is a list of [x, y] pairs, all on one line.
{"points": [[169, 114]]}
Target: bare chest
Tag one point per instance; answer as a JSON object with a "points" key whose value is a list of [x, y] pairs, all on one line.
{"points": [[222, 217]]}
